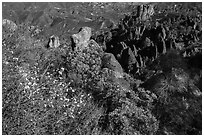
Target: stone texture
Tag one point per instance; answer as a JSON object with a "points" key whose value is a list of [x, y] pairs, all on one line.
{"points": [[145, 11], [109, 61], [81, 39], [54, 42], [10, 24], [132, 59], [93, 43], [128, 59]]}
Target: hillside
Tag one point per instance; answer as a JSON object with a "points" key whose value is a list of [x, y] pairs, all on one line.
{"points": [[98, 68]]}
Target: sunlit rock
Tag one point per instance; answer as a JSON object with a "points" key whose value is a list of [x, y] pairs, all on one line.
{"points": [[81, 39], [10, 24], [53, 42], [93, 43]]}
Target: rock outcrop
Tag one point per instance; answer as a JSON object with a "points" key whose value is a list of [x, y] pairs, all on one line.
{"points": [[109, 61], [128, 59], [9, 24], [81, 39], [145, 11], [53, 42], [92, 43]]}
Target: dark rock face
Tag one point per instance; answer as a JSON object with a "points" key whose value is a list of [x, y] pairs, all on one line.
{"points": [[150, 36], [128, 59]]}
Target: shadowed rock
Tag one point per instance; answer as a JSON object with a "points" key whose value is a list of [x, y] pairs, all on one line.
{"points": [[127, 59]]}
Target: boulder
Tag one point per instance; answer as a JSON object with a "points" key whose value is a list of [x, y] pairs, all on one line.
{"points": [[9, 24], [128, 59], [53, 42], [93, 44], [116, 78], [109, 61], [81, 39]]}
